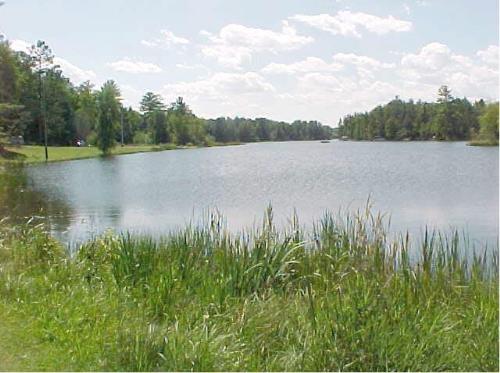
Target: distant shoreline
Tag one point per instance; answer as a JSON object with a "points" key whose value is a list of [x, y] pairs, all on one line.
{"points": [[34, 154], [468, 142]]}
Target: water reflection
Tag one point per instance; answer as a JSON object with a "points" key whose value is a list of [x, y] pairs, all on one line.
{"points": [[20, 202]]}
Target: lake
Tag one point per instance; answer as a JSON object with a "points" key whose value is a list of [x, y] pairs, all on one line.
{"points": [[442, 185]]}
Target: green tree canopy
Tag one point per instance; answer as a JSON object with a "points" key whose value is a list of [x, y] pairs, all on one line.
{"points": [[86, 110], [109, 115], [447, 119], [9, 75], [489, 124], [151, 102]]}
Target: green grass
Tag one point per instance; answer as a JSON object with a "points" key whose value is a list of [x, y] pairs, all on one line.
{"points": [[483, 143], [36, 153], [342, 297]]}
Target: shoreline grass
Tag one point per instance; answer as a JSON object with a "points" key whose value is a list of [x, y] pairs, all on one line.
{"points": [[36, 153], [339, 298], [483, 143]]}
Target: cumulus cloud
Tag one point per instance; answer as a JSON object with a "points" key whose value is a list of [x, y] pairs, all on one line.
{"points": [[489, 55], [76, 74], [310, 64], [331, 95], [422, 3], [134, 67], [354, 93], [435, 64], [358, 60], [432, 57], [349, 23], [167, 39], [131, 96], [189, 67], [225, 94], [221, 86], [364, 65], [235, 44]]}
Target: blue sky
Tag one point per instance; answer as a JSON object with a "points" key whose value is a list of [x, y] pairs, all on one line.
{"points": [[282, 59]]}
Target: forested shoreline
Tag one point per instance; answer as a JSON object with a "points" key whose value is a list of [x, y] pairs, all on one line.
{"points": [[449, 119], [39, 105], [38, 101]]}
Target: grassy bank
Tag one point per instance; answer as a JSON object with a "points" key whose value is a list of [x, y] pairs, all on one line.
{"points": [[483, 143], [340, 298], [36, 153]]}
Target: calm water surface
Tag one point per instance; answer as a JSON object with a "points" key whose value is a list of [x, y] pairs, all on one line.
{"points": [[419, 184]]}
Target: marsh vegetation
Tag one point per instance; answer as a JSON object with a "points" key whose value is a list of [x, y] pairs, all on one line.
{"points": [[343, 297]]}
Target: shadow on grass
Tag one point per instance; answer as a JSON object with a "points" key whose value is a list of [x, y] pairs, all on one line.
{"points": [[9, 155]]}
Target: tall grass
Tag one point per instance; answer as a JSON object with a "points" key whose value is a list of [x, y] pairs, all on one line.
{"points": [[342, 297]]}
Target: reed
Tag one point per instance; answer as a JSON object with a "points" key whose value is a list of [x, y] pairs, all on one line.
{"points": [[340, 297]]}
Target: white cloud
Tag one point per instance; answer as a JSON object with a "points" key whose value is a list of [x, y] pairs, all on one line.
{"points": [[197, 66], [135, 67], [489, 55], [220, 86], [235, 44], [422, 3], [349, 23], [310, 64], [167, 39], [435, 64], [131, 96], [432, 57], [74, 73], [361, 61], [20, 45], [225, 94], [226, 55], [363, 64], [329, 96], [189, 67]]}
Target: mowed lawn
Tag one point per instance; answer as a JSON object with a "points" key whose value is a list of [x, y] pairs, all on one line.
{"points": [[36, 154]]}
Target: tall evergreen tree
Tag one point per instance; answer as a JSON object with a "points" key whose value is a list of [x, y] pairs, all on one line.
{"points": [[151, 102], [42, 58]]}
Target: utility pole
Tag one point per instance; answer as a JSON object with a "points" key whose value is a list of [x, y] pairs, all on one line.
{"points": [[42, 109], [121, 121], [46, 150], [45, 130]]}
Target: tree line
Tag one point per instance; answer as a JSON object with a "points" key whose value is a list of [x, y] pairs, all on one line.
{"points": [[262, 129], [448, 118], [41, 105]]}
